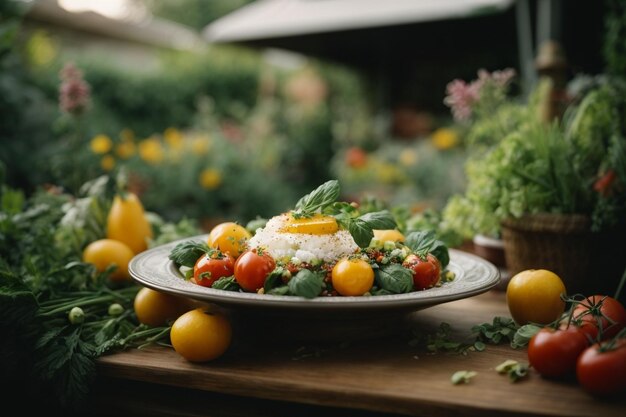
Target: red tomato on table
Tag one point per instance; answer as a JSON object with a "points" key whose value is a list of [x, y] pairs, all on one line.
{"points": [[553, 353]]}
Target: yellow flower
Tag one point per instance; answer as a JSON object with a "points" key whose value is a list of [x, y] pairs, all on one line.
{"points": [[173, 137], [408, 157], [107, 162], [444, 138], [200, 145], [151, 150], [100, 144], [210, 178], [126, 149], [389, 174], [41, 48]]}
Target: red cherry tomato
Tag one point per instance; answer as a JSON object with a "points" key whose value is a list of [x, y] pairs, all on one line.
{"points": [[600, 312], [251, 269], [426, 271], [209, 268], [553, 353], [601, 369]]}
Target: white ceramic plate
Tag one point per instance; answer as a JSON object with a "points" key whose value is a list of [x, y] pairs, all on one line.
{"points": [[474, 275]]}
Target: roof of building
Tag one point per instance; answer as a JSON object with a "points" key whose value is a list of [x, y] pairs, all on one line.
{"points": [[266, 19]]}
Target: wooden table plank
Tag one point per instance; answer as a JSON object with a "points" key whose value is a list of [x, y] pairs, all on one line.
{"points": [[385, 375]]}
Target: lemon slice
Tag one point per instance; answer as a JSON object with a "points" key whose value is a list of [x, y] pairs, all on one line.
{"points": [[318, 224]]}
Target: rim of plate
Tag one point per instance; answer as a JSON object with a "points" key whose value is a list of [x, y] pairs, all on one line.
{"points": [[153, 268]]}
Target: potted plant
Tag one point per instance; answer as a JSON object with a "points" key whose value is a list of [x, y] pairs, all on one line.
{"points": [[555, 192]]}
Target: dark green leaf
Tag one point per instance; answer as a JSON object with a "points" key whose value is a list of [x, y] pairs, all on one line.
{"points": [[306, 284], [440, 251], [421, 243], [273, 280], [187, 253], [379, 220], [394, 278], [523, 335], [324, 195], [282, 290], [226, 284], [361, 232]]}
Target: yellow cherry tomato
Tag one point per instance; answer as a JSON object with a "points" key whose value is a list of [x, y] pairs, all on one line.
{"points": [[155, 308], [534, 296], [127, 222], [389, 235], [352, 277], [230, 238], [201, 336], [318, 224], [106, 252]]}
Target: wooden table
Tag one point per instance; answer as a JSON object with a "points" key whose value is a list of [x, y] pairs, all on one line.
{"points": [[362, 378]]}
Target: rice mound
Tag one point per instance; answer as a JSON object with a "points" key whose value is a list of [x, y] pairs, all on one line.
{"points": [[300, 246]]}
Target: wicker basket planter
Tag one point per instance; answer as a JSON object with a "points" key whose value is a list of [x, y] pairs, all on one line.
{"points": [[589, 263]]}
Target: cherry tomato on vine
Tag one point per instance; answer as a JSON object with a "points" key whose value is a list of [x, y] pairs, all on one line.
{"points": [[352, 277], [600, 312], [426, 271], [553, 353], [601, 369], [251, 269], [211, 267]]}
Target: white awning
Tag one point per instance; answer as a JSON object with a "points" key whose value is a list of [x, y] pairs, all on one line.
{"points": [[266, 19]]}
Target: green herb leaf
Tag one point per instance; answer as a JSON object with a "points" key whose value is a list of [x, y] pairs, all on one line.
{"points": [[440, 251], [394, 278], [523, 335], [306, 284], [273, 280], [421, 243], [362, 228], [514, 369], [226, 284], [462, 377], [501, 329], [360, 231], [282, 290], [323, 196], [379, 220], [187, 253]]}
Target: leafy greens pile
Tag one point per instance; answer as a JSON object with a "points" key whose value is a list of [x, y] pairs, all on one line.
{"points": [[57, 314]]}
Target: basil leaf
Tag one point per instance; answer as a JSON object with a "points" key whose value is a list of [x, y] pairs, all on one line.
{"points": [[282, 290], [379, 220], [362, 228], [226, 284], [523, 335], [440, 251], [187, 253], [323, 196], [273, 280], [306, 284], [421, 243], [394, 278], [361, 232]]}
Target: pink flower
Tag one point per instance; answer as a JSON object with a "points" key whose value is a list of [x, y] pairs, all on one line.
{"points": [[461, 97], [74, 92]]}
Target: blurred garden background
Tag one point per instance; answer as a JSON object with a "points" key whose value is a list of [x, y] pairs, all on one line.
{"points": [[212, 131]]}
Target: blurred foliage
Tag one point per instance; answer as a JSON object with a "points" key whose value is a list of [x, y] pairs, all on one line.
{"points": [[615, 37], [25, 113]]}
